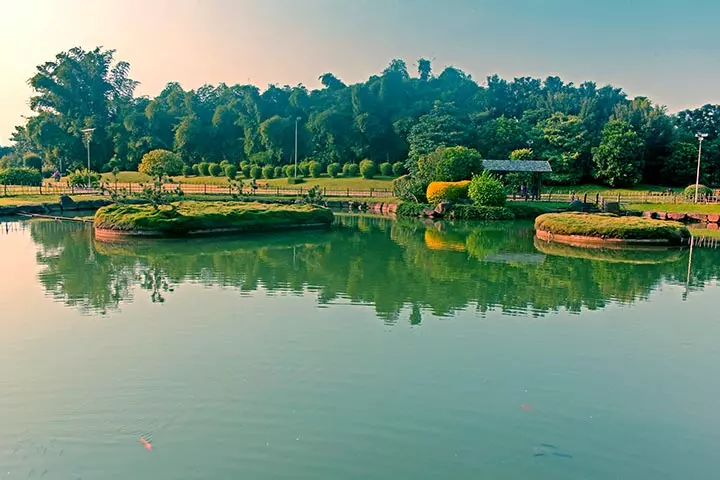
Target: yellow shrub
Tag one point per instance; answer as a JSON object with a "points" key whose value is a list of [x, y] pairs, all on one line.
{"points": [[439, 191], [435, 240]]}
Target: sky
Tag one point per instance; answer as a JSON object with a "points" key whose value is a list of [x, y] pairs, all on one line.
{"points": [[666, 50]]}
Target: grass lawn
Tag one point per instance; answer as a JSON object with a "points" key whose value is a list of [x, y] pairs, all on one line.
{"points": [[23, 200], [675, 207], [607, 191], [187, 217], [608, 226], [704, 232]]}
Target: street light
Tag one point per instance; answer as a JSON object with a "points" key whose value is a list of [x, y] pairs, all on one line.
{"points": [[297, 119], [88, 136], [700, 137]]}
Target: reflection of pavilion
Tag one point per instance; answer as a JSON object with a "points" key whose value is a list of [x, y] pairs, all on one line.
{"points": [[515, 258]]}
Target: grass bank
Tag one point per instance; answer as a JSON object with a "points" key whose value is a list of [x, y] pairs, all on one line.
{"points": [[605, 226], [195, 217], [29, 200], [710, 208]]}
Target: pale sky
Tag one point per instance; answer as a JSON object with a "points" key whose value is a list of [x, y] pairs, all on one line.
{"points": [[665, 49]]}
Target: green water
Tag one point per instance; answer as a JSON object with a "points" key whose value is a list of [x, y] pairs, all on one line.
{"points": [[377, 350]]}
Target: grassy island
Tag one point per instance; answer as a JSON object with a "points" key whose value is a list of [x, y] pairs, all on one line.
{"points": [[198, 218], [604, 229]]}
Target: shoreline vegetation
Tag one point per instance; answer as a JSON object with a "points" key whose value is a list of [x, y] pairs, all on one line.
{"points": [[205, 218], [584, 229]]}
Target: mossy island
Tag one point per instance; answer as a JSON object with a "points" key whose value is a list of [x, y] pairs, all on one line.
{"points": [[602, 230], [190, 218]]}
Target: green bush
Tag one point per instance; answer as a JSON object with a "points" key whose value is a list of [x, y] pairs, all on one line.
{"points": [[268, 171], [204, 169], [21, 176], [231, 171], [474, 212], [409, 189], [411, 209], [486, 190], [161, 161], [304, 168], [47, 172], [215, 170], [295, 180], [398, 169], [703, 191], [261, 158], [244, 164], [368, 169], [315, 169], [350, 170], [224, 164], [187, 171], [333, 170], [195, 169], [278, 172], [246, 170], [79, 178], [386, 169], [289, 170], [255, 172], [105, 168], [33, 160]]}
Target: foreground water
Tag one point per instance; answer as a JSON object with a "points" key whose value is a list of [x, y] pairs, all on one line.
{"points": [[378, 350]]}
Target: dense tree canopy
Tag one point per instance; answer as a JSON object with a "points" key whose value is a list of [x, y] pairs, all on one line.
{"points": [[392, 117]]}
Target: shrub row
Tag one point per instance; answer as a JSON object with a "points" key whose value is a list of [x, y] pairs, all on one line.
{"points": [[25, 176]]}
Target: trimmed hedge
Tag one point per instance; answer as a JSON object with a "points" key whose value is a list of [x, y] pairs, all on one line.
{"points": [[473, 212], [333, 170], [399, 169], [268, 172], [386, 169], [703, 191], [231, 171], [453, 191], [28, 177], [350, 170], [215, 169], [165, 161], [315, 169], [368, 169]]}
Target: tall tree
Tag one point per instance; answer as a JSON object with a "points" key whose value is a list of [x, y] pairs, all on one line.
{"points": [[618, 158]]}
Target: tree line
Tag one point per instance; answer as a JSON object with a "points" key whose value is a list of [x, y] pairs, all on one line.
{"points": [[586, 132]]}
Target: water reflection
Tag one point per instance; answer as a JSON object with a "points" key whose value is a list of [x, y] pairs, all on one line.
{"points": [[389, 264]]}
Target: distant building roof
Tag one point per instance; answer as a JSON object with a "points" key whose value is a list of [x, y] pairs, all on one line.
{"points": [[538, 166]]}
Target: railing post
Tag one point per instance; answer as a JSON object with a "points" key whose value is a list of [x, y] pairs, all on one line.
{"points": [[204, 189], [348, 193], [371, 192]]}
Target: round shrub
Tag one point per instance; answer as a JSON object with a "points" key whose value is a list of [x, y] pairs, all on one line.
{"points": [[350, 170], [315, 169], [304, 168], [386, 169], [278, 173], [215, 170], [255, 172], [33, 160], [187, 171], [246, 170], [368, 169], [268, 171], [398, 169], [486, 190], [703, 191], [453, 191], [231, 171], [333, 170], [79, 178], [409, 189], [161, 161], [295, 180], [195, 169], [204, 169], [289, 170], [28, 177], [224, 164], [244, 164]]}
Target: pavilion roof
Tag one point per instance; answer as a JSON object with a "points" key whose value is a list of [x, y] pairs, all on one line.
{"points": [[534, 166]]}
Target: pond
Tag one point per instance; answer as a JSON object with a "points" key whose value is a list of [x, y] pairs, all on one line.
{"points": [[379, 349]]}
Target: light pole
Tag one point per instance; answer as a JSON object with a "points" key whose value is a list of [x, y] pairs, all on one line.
{"points": [[700, 137], [297, 119], [88, 136]]}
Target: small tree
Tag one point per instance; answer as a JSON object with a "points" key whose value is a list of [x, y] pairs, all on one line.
{"points": [[315, 169], [231, 171], [164, 160], [618, 159], [215, 170], [333, 170], [203, 169], [368, 169], [486, 190], [246, 170], [386, 169], [399, 169], [255, 172], [156, 194], [268, 171]]}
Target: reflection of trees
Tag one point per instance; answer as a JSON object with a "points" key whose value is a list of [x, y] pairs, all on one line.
{"points": [[365, 259]]}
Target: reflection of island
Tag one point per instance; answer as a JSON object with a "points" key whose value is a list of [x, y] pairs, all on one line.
{"points": [[375, 260], [625, 254]]}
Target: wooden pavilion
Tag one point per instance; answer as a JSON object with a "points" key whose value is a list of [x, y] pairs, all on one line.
{"points": [[536, 169]]}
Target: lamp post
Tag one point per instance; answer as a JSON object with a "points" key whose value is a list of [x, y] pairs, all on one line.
{"points": [[88, 136], [700, 137], [297, 119]]}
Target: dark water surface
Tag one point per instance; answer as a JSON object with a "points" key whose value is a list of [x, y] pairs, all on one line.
{"points": [[377, 350]]}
